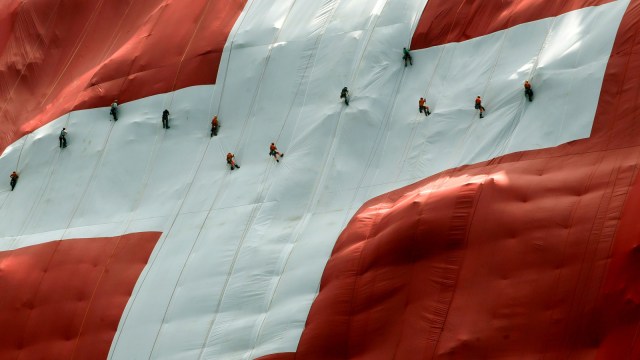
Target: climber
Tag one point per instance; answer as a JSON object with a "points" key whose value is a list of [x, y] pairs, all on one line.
{"points": [[479, 106], [14, 180], [231, 161], [165, 119], [273, 151], [114, 110], [423, 108], [214, 126], [527, 91], [406, 57], [63, 138], [345, 95]]}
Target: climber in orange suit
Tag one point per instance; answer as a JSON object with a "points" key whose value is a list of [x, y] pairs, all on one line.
{"points": [[273, 151], [214, 126], [423, 108], [528, 92], [479, 106], [231, 161]]}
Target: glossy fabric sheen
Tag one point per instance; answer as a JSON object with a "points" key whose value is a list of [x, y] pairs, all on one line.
{"points": [[64, 55]]}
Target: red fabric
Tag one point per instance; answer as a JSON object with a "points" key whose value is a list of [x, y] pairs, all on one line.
{"points": [[57, 56], [447, 21], [282, 356], [64, 299], [530, 255], [618, 311]]}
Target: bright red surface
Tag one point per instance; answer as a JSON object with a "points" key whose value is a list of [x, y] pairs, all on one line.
{"points": [[447, 21], [64, 299], [531, 255], [63, 55]]}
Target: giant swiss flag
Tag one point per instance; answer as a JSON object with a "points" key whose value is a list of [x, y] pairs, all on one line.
{"points": [[514, 238]]}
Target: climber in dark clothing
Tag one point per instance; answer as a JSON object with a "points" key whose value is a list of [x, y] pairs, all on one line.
{"points": [[165, 119], [63, 138], [114, 110], [14, 179], [406, 57], [345, 95]]}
